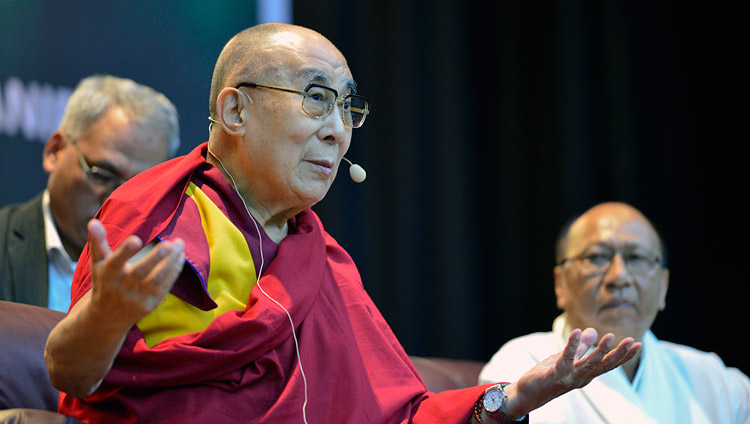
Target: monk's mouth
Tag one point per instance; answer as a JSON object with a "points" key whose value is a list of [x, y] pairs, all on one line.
{"points": [[323, 163]]}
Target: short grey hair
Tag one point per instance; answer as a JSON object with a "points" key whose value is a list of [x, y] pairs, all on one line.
{"points": [[145, 107]]}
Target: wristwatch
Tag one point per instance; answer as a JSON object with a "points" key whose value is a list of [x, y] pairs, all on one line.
{"points": [[493, 402]]}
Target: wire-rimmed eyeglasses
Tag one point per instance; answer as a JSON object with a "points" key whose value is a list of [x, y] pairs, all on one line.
{"points": [[318, 101], [598, 261], [96, 175]]}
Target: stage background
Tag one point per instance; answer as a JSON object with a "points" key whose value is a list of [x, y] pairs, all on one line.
{"points": [[490, 127], [46, 47]]}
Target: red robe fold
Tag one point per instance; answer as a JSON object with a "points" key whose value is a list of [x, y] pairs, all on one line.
{"points": [[243, 368]]}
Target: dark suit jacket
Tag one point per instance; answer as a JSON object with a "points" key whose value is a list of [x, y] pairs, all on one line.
{"points": [[23, 254]]}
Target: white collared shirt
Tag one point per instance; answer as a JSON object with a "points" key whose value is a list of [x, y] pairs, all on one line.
{"points": [[674, 384], [60, 266]]}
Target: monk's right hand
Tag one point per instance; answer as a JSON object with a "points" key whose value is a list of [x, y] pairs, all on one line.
{"points": [[131, 289]]}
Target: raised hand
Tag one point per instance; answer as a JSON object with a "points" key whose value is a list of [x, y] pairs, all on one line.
{"points": [[570, 369], [127, 284]]}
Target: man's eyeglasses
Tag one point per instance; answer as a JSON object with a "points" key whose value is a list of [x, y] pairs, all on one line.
{"points": [[599, 261], [96, 175], [318, 101]]}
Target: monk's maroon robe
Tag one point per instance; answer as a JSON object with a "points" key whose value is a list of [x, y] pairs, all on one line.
{"points": [[243, 367]]}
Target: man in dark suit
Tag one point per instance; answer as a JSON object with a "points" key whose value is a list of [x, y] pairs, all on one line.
{"points": [[112, 129]]}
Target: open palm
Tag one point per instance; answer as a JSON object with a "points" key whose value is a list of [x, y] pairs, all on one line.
{"points": [[570, 369]]}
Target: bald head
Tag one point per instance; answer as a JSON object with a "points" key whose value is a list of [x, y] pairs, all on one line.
{"points": [[605, 217], [254, 52], [609, 275]]}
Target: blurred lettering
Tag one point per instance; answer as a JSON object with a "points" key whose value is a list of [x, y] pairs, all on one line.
{"points": [[31, 111]]}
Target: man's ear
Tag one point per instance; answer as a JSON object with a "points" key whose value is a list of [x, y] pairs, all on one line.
{"points": [[51, 153], [231, 110], [663, 291], [557, 273]]}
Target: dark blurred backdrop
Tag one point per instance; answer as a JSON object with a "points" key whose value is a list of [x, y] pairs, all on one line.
{"points": [[491, 125]]}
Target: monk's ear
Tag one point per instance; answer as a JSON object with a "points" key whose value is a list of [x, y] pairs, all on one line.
{"points": [[232, 107], [52, 153]]}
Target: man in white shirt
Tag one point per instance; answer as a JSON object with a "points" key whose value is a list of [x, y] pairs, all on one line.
{"points": [[112, 129], [611, 275]]}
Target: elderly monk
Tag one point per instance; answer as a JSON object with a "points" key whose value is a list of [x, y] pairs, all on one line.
{"points": [[209, 292]]}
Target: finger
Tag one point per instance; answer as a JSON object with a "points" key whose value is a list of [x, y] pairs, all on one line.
{"points": [[124, 251], [166, 271], [596, 355], [568, 354], [151, 255], [621, 354], [590, 366], [634, 349], [588, 339], [589, 336], [158, 266], [162, 278], [611, 360], [97, 241]]}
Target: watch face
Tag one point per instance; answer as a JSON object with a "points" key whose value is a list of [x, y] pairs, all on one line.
{"points": [[493, 400]]}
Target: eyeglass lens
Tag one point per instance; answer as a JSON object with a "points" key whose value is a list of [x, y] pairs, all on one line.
{"points": [[319, 101], [103, 177], [634, 261], [98, 176]]}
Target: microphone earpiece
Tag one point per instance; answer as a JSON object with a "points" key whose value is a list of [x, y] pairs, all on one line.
{"points": [[357, 173]]}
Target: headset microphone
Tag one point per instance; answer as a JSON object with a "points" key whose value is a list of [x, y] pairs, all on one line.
{"points": [[357, 173]]}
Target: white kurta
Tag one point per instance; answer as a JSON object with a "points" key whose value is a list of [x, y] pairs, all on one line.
{"points": [[673, 384]]}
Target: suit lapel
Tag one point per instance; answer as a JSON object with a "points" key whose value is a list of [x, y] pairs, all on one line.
{"points": [[27, 253]]}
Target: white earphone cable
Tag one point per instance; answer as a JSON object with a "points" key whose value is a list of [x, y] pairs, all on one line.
{"points": [[257, 282]]}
